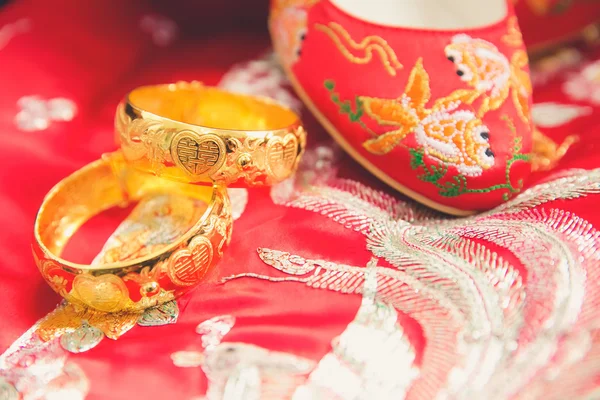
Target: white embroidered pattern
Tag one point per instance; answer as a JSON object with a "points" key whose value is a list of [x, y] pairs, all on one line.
{"points": [[513, 337], [36, 114], [552, 115], [372, 358], [585, 84], [40, 370], [241, 370]]}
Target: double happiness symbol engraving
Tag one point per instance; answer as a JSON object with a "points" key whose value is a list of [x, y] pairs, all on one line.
{"points": [[281, 155], [187, 266], [198, 154]]}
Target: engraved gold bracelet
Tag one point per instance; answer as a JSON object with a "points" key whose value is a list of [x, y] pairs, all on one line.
{"points": [[198, 134], [136, 284]]}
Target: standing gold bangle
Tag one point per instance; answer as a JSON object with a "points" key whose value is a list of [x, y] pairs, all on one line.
{"points": [[136, 284], [198, 134]]}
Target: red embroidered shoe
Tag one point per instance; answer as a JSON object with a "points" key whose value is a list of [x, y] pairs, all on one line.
{"points": [[441, 115]]}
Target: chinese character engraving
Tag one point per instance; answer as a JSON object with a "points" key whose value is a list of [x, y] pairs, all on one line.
{"points": [[197, 157]]}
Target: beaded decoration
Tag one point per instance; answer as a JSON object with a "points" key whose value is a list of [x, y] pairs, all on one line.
{"points": [[449, 133]]}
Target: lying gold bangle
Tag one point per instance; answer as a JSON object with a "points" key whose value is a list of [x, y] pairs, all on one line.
{"points": [[198, 134], [136, 284]]}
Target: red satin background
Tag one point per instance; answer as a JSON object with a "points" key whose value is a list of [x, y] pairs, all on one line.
{"points": [[93, 53], [541, 30]]}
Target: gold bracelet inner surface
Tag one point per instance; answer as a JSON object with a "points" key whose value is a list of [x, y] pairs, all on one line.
{"points": [[211, 107], [97, 187]]}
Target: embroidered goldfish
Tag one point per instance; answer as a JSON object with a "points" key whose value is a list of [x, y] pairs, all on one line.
{"points": [[489, 73], [288, 24], [452, 136]]}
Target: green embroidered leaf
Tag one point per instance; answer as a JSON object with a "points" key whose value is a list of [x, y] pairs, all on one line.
{"points": [[416, 158], [359, 110], [435, 173], [346, 106], [518, 144], [450, 191], [456, 188]]}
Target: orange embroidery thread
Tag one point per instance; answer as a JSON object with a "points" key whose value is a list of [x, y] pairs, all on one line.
{"points": [[490, 75], [369, 45], [513, 38], [546, 153], [452, 136], [521, 84]]}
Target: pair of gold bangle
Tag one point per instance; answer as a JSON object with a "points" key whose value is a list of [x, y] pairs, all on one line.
{"points": [[201, 139]]}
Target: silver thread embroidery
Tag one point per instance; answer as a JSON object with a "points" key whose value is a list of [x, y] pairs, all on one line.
{"points": [[440, 319], [241, 370], [213, 330], [371, 359], [164, 314], [82, 339], [38, 369], [551, 305]]}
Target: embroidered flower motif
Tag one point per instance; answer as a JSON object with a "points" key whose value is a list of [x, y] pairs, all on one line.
{"points": [[585, 86], [484, 68], [36, 114], [456, 137]]}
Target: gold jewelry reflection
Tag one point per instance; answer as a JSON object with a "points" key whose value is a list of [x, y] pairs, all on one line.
{"points": [[193, 133]]}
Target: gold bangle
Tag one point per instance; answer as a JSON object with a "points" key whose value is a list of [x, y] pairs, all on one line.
{"points": [[199, 134], [136, 284]]}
